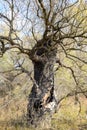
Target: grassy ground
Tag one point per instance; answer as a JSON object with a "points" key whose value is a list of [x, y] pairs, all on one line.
{"points": [[70, 115]]}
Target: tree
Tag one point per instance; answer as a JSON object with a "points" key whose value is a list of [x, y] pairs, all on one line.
{"points": [[62, 26]]}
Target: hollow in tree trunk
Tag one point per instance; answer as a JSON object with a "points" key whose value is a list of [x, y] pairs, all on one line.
{"points": [[42, 99]]}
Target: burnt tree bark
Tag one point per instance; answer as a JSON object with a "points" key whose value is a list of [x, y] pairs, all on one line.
{"points": [[42, 97]]}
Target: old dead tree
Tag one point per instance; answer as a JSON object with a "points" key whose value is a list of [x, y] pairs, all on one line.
{"points": [[62, 29]]}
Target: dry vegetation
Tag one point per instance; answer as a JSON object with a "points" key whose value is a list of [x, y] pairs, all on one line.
{"points": [[13, 116], [70, 115]]}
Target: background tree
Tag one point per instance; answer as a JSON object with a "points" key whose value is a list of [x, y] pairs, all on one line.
{"points": [[63, 32]]}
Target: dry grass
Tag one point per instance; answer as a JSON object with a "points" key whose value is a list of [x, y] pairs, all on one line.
{"points": [[12, 116]]}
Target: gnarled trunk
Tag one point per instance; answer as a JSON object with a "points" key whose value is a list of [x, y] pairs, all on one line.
{"points": [[42, 98]]}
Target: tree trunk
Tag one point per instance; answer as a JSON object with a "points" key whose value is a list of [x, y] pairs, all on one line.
{"points": [[42, 99]]}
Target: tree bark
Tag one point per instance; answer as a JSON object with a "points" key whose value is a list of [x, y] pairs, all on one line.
{"points": [[42, 98]]}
